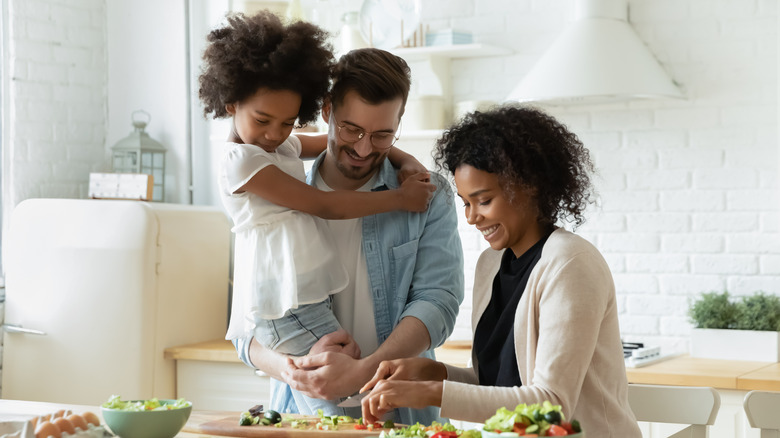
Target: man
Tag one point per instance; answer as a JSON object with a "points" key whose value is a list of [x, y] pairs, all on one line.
{"points": [[405, 269]]}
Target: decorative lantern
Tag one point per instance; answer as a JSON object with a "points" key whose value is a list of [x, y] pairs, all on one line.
{"points": [[139, 153]]}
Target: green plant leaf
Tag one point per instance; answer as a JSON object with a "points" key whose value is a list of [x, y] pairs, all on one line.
{"points": [[713, 310]]}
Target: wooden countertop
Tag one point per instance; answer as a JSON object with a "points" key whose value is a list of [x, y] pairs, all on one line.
{"points": [[679, 371], [455, 353], [219, 350], [693, 371]]}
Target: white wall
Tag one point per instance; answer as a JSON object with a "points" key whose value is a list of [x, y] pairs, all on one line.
{"points": [[55, 76], [147, 61], [76, 72], [689, 189]]}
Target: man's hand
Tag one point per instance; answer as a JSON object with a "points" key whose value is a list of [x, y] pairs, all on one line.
{"points": [[328, 375], [339, 342]]}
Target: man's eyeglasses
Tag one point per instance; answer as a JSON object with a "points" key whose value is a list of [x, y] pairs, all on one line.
{"points": [[353, 134]]}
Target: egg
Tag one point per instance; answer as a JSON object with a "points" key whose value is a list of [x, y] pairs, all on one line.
{"points": [[78, 421], [46, 429], [65, 425], [59, 414], [91, 418]]}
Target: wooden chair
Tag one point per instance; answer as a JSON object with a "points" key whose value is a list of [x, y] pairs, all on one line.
{"points": [[762, 409], [694, 406]]}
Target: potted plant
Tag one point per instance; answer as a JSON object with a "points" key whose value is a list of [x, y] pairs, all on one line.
{"points": [[747, 328]]}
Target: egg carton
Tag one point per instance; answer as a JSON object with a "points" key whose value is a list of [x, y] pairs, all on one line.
{"points": [[22, 427]]}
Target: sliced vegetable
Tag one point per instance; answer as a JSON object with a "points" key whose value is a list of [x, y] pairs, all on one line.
{"points": [[272, 416]]}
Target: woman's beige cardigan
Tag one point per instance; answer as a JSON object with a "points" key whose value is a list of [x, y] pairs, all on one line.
{"points": [[567, 343]]}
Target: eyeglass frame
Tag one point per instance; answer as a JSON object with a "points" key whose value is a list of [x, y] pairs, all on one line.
{"points": [[363, 133]]}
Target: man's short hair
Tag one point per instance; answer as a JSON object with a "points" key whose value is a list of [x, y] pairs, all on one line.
{"points": [[376, 75]]}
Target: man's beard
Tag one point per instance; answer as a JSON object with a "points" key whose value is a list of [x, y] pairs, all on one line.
{"points": [[359, 173]]}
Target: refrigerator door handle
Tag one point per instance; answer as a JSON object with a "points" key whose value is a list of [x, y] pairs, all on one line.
{"points": [[16, 328]]}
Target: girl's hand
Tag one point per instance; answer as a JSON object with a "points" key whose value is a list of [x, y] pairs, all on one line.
{"points": [[339, 341], [390, 394], [411, 167], [416, 192], [411, 368]]}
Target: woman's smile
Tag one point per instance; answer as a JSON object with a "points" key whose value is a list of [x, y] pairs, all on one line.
{"points": [[488, 231], [505, 221]]}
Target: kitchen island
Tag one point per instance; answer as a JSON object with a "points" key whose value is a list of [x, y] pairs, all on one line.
{"points": [[732, 379], [210, 375]]}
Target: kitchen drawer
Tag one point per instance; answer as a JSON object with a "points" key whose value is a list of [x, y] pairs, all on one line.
{"points": [[221, 386]]}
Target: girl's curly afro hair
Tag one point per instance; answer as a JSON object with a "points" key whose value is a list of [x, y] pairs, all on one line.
{"points": [[526, 148], [249, 53]]}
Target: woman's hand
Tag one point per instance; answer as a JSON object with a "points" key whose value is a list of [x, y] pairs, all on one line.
{"points": [[411, 368], [390, 394], [339, 341]]}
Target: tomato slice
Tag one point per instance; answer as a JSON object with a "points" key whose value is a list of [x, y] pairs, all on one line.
{"points": [[360, 426], [556, 430], [445, 434], [567, 425], [519, 428]]}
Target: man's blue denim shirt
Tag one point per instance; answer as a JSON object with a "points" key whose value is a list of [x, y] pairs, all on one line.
{"points": [[415, 268]]}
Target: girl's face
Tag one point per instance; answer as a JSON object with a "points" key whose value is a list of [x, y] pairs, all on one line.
{"points": [[503, 224], [265, 119]]}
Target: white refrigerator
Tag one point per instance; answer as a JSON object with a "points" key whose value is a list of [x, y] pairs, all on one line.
{"points": [[97, 289]]}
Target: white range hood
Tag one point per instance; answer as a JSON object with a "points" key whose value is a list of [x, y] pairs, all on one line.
{"points": [[598, 59]]}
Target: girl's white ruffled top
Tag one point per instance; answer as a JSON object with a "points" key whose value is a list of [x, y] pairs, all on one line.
{"points": [[283, 258]]}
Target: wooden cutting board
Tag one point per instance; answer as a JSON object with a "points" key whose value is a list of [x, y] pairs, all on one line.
{"points": [[226, 424]]}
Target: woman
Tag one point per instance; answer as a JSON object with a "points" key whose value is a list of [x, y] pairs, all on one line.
{"points": [[544, 310]]}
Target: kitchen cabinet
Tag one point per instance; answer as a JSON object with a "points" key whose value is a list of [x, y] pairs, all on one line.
{"points": [[210, 375]]}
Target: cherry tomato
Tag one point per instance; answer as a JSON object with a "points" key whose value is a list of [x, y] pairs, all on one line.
{"points": [[556, 430], [360, 426], [445, 434], [566, 425]]}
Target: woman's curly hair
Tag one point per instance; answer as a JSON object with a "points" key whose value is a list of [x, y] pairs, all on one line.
{"points": [[526, 148], [248, 53]]}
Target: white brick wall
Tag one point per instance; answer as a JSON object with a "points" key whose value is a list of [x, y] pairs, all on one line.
{"points": [[688, 189], [57, 90]]}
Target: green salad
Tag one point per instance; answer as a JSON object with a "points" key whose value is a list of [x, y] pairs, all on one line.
{"points": [[544, 419], [115, 402]]}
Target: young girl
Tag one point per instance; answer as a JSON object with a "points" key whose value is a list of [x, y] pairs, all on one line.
{"points": [[266, 75]]}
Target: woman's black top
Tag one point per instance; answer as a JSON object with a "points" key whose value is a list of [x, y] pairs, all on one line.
{"points": [[494, 337]]}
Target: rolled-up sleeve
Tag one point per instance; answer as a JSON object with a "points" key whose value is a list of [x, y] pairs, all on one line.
{"points": [[242, 348], [437, 284]]}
